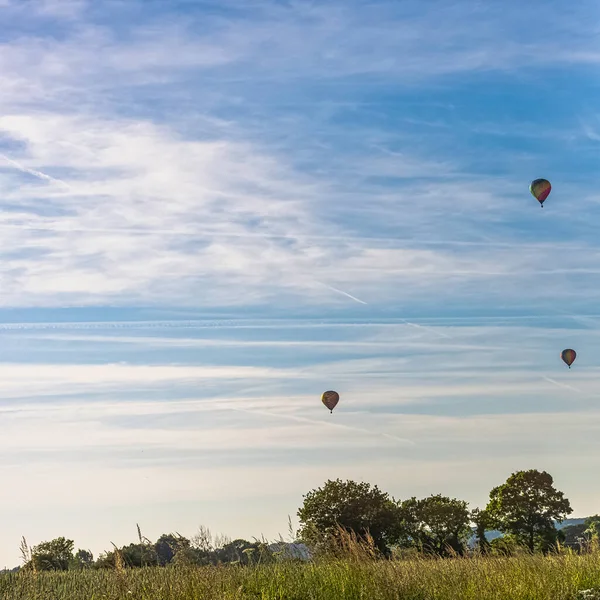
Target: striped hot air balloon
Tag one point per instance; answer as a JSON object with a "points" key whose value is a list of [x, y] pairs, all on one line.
{"points": [[330, 399], [540, 188], [568, 356]]}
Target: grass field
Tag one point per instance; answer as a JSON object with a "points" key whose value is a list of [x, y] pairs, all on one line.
{"points": [[520, 578]]}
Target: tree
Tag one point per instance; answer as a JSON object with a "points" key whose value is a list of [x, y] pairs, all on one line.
{"points": [[106, 560], [239, 552], [574, 535], [356, 507], [592, 526], [168, 545], [526, 507], [434, 524], [592, 532], [55, 555], [188, 557], [202, 548], [203, 540], [83, 559], [504, 546], [482, 522], [139, 555]]}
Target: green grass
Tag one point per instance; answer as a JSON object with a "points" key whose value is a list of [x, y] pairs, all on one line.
{"points": [[519, 578]]}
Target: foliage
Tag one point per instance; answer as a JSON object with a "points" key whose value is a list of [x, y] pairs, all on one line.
{"points": [[83, 559], [243, 552], [350, 520], [436, 524], [483, 523], [574, 534], [106, 560], [139, 555], [55, 555], [523, 577], [203, 540], [187, 557], [526, 507], [592, 527], [168, 545], [353, 506]]}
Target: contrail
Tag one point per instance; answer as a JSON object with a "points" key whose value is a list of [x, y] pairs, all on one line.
{"points": [[438, 333], [563, 385], [312, 422], [343, 293], [393, 437], [394, 242], [33, 172], [206, 324]]}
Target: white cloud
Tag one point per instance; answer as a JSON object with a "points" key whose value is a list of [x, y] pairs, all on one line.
{"points": [[145, 208], [56, 378], [154, 214], [61, 9]]}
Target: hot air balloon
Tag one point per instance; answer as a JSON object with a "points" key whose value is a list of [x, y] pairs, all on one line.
{"points": [[568, 356], [540, 188], [330, 399]]}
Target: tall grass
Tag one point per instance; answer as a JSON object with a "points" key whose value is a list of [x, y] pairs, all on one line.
{"points": [[519, 578], [351, 573]]}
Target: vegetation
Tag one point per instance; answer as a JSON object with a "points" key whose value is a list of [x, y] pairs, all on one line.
{"points": [[363, 543], [435, 525], [525, 508], [354, 507], [353, 577]]}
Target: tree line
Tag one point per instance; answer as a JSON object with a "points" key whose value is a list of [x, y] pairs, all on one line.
{"points": [[169, 549], [524, 509]]}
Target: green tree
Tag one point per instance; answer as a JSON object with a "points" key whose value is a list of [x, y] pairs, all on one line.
{"points": [[106, 560], [190, 556], [592, 526], [482, 522], [434, 524], [139, 555], [592, 531], [168, 545], [236, 552], [356, 507], [83, 559], [526, 507], [574, 535], [198, 550], [55, 555], [504, 546]]}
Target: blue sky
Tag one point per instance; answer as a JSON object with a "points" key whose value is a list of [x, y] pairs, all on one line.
{"points": [[211, 212]]}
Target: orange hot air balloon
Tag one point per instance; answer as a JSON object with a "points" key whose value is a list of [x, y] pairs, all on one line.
{"points": [[540, 188], [568, 356], [330, 399]]}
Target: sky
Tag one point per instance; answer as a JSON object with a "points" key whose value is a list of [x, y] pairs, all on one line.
{"points": [[213, 211]]}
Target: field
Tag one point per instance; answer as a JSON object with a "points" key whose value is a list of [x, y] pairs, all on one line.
{"points": [[520, 578]]}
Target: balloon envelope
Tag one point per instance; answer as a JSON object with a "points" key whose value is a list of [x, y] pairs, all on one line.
{"points": [[568, 356], [540, 188], [330, 399]]}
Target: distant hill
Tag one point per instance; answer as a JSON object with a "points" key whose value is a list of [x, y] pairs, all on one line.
{"points": [[6, 570], [568, 522], [493, 533]]}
